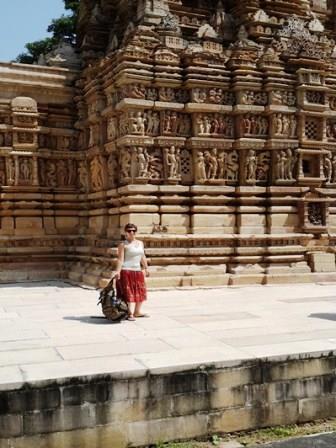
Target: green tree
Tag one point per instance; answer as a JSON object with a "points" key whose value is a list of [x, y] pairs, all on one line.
{"points": [[62, 28]]}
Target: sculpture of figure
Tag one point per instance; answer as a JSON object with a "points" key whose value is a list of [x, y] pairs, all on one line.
{"points": [[62, 173], [285, 125], [155, 166], [212, 163], [200, 167], [329, 130], [97, 174], [140, 124], [277, 97], [222, 160], [11, 171], [278, 128], [229, 127], [292, 126], [72, 171], [51, 174], [142, 163], [290, 164], [167, 94], [138, 91], [207, 125], [328, 168], [172, 162], [334, 169], [125, 163], [200, 125], [281, 165], [255, 125], [215, 125], [199, 95], [247, 125], [83, 176], [25, 170], [167, 123], [151, 94], [156, 123], [219, 96], [112, 169], [212, 95], [150, 122], [111, 129], [263, 126], [173, 122], [222, 125], [251, 165]]}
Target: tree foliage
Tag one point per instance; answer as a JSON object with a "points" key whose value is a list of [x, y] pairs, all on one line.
{"points": [[62, 28]]}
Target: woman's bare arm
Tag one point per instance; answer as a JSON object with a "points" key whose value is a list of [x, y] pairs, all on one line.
{"points": [[121, 255]]}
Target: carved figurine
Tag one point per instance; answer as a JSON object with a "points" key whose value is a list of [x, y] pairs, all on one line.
{"points": [[142, 163], [251, 166], [97, 173], [328, 168], [172, 162], [200, 167], [83, 175]]}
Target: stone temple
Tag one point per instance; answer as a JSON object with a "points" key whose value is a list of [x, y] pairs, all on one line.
{"points": [[209, 124]]}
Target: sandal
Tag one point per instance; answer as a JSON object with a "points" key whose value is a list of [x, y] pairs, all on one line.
{"points": [[141, 315], [132, 318]]}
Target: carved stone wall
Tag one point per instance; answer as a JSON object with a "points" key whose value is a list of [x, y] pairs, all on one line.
{"points": [[210, 124]]}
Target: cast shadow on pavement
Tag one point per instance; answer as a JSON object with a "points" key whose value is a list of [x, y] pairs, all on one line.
{"points": [[326, 316], [93, 320]]}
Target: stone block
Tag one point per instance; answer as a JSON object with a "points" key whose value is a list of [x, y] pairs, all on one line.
{"points": [[277, 414], [188, 404], [226, 398], [11, 425], [129, 411], [79, 394], [230, 378], [316, 408], [142, 220], [247, 279], [279, 279], [210, 280], [176, 220], [213, 220], [32, 399], [113, 435], [230, 420], [322, 262], [297, 369], [283, 222], [154, 431], [165, 282], [61, 419], [67, 223]]}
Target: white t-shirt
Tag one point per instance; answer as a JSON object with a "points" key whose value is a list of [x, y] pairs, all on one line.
{"points": [[133, 252]]}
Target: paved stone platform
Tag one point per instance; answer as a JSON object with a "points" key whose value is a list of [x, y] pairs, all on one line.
{"points": [[53, 330]]}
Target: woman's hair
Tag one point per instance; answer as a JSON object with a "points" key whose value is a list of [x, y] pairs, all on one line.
{"points": [[130, 226]]}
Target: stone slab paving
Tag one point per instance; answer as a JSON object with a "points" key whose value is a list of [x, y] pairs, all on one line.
{"points": [[53, 330], [316, 441]]}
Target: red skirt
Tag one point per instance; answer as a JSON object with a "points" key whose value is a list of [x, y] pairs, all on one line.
{"points": [[131, 286]]}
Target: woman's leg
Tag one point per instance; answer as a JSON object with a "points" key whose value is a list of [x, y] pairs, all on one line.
{"points": [[131, 309], [137, 309]]}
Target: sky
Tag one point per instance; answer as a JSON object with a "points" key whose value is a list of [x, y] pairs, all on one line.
{"points": [[25, 21]]}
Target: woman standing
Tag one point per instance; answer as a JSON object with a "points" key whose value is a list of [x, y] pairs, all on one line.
{"points": [[130, 277]]}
